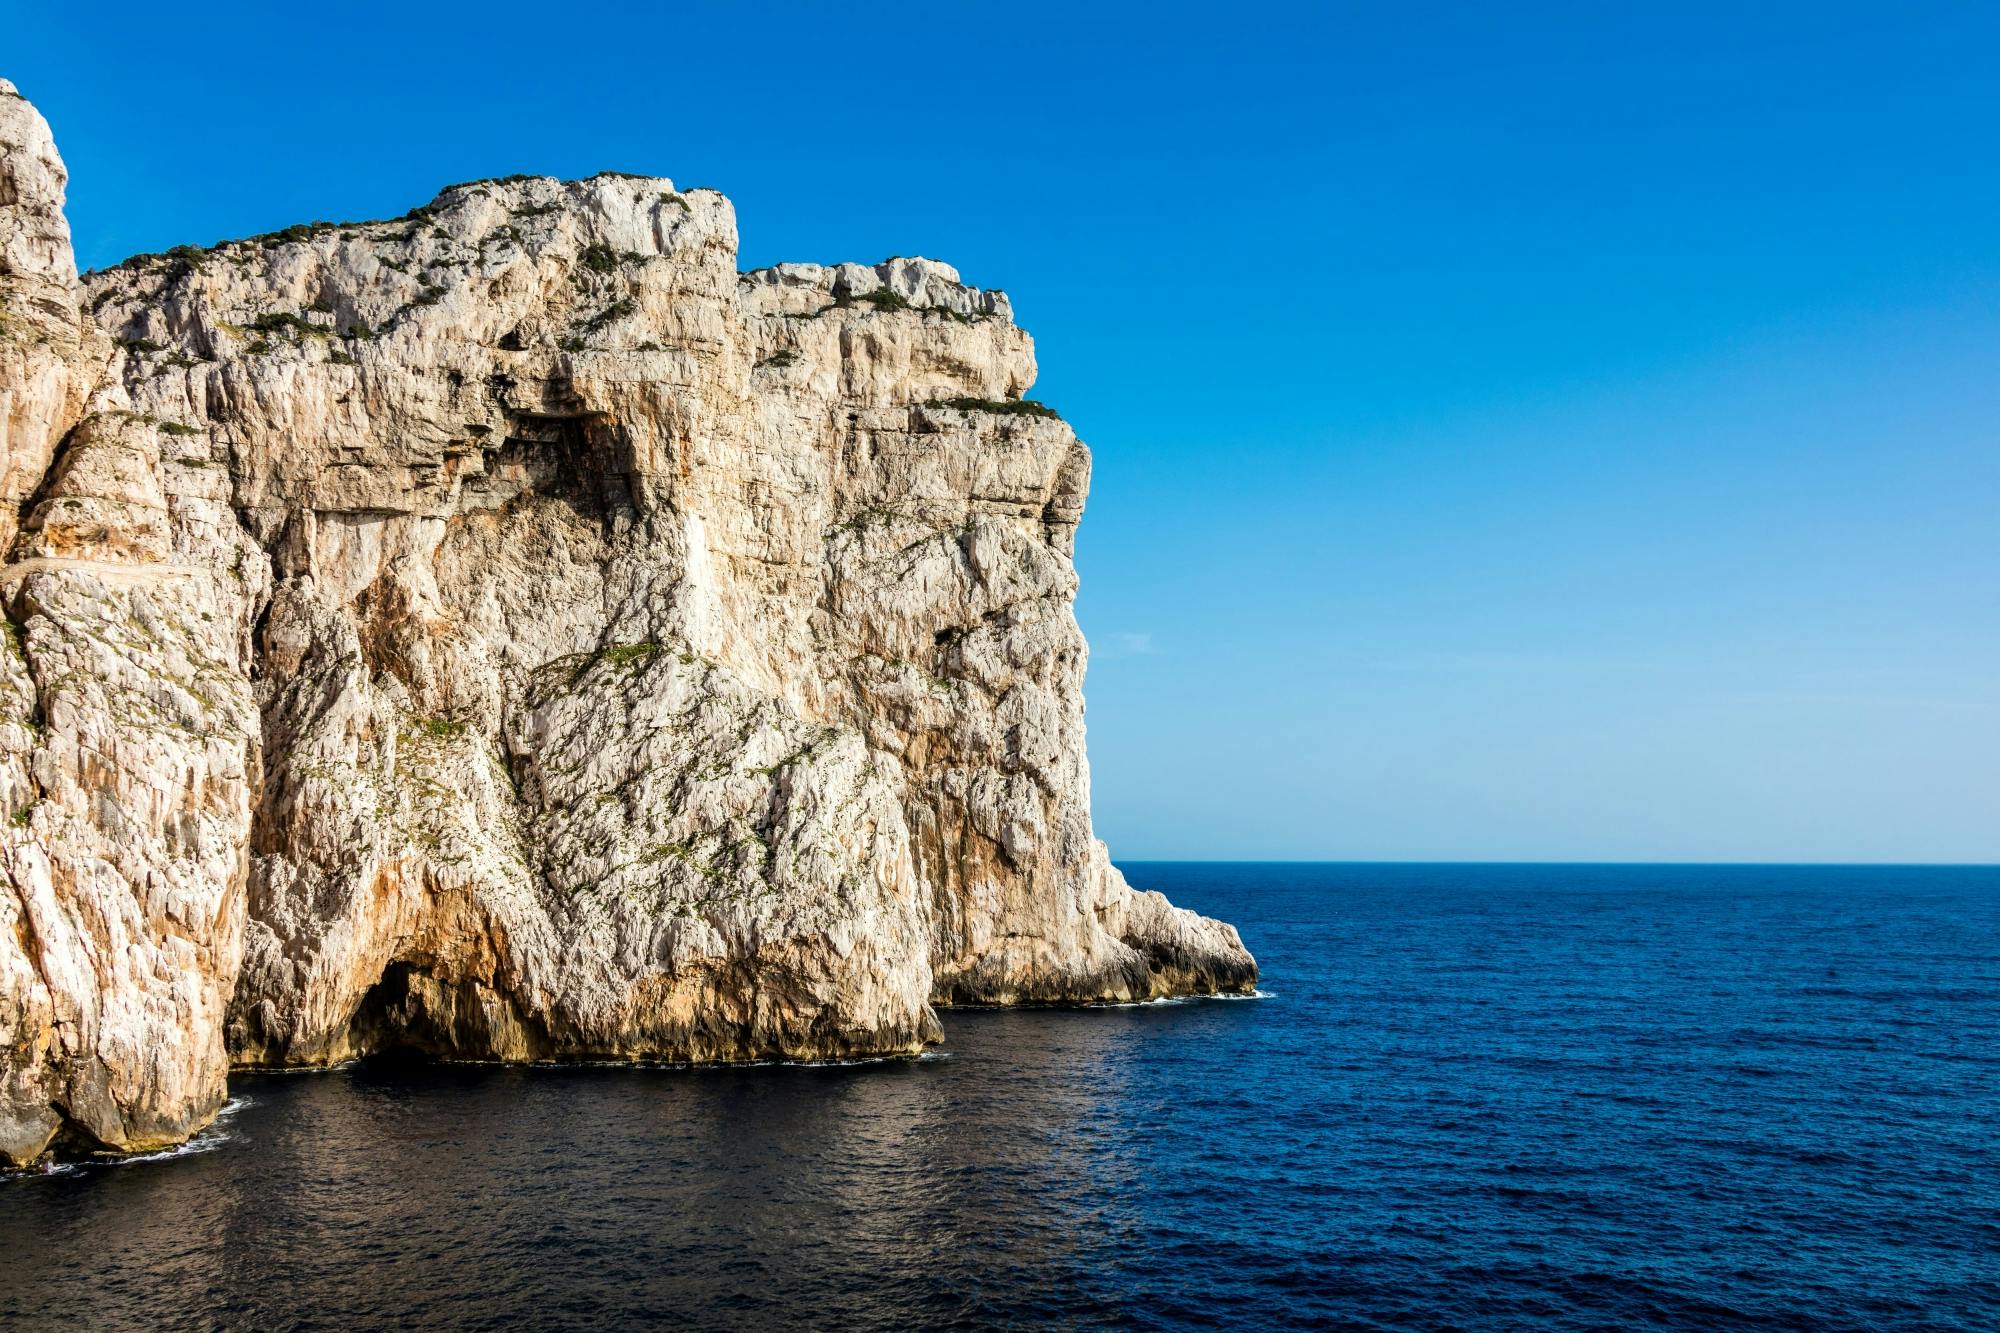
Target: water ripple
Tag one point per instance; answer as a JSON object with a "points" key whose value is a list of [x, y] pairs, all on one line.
{"points": [[1476, 1097]]}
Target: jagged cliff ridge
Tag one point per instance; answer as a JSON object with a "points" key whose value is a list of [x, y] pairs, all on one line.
{"points": [[509, 632]]}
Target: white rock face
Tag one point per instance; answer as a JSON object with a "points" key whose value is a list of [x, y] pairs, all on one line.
{"points": [[49, 353], [128, 727], [508, 632]]}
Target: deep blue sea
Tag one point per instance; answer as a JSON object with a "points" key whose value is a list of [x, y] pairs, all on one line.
{"points": [[1476, 1097]]}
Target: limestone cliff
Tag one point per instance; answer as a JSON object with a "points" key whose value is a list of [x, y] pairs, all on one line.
{"points": [[511, 633]]}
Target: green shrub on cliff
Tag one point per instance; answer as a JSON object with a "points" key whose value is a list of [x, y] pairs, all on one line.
{"points": [[1025, 407]]}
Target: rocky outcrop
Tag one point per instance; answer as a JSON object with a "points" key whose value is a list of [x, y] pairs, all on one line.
{"points": [[128, 725], [509, 632], [50, 353]]}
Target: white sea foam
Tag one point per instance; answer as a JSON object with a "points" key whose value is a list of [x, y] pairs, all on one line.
{"points": [[689, 1065], [213, 1136], [208, 1140], [1181, 999]]}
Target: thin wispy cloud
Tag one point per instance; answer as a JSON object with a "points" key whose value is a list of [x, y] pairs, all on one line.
{"points": [[1126, 643]]}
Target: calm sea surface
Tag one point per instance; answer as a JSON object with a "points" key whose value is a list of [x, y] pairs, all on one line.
{"points": [[1507, 1097]]}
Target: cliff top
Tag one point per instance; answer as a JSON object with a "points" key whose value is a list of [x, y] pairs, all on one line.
{"points": [[465, 211]]}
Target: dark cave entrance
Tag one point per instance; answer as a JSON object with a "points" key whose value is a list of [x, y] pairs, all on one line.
{"points": [[394, 1022], [414, 1014]]}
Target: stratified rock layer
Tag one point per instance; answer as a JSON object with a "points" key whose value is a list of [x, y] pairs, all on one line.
{"points": [[509, 632]]}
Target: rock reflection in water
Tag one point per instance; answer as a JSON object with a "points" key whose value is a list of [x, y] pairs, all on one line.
{"points": [[470, 1193]]}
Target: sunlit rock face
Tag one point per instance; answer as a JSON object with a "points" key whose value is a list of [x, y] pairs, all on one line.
{"points": [[509, 632], [128, 724]]}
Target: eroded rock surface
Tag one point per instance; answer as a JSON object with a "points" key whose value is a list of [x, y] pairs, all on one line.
{"points": [[511, 633]]}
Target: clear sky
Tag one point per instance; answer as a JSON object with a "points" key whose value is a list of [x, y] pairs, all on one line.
{"points": [[1523, 431]]}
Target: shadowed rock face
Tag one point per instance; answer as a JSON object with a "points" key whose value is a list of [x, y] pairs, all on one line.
{"points": [[509, 632]]}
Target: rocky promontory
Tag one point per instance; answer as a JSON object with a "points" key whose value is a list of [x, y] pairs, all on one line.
{"points": [[509, 632]]}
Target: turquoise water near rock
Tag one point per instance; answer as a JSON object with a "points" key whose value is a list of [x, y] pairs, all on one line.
{"points": [[1508, 1097]]}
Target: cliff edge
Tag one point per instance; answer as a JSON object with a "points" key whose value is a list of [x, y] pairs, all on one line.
{"points": [[509, 632]]}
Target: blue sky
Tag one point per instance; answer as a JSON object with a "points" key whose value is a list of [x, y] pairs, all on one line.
{"points": [[1522, 432]]}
